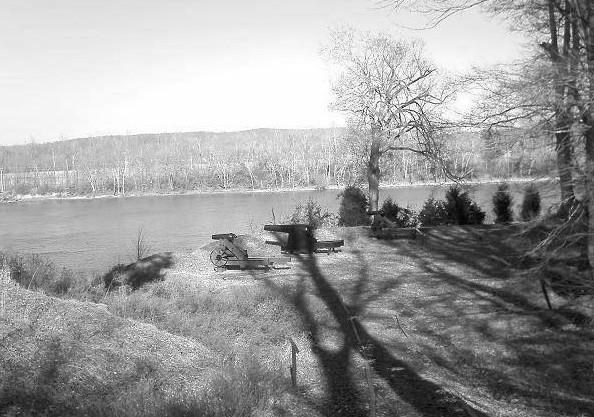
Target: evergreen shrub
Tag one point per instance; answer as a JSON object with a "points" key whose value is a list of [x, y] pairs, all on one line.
{"points": [[311, 213], [458, 208], [433, 213], [461, 209], [400, 216], [502, 204], [530, 203], [353, 207]]}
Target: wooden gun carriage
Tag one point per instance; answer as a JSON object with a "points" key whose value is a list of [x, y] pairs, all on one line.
{"points": [[231, 255]]}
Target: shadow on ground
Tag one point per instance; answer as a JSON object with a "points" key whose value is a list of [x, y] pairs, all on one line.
{"points": [[444, 324], [495, 327], [343, 396]]}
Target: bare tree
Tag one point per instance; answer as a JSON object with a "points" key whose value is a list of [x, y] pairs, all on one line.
{"points": [[563, 30], [392, 98]]}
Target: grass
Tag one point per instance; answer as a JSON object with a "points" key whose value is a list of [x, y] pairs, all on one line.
{"points": [[445, 324], [244, 379], [247, 316]]}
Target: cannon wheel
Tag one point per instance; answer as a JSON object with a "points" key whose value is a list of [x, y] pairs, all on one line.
{"points": [[219, 257]]}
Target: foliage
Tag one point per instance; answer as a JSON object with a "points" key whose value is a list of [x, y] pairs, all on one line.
{"points": [[353, 207], [139, 273], [502, 204], [433, 213], [38, 273], [458, 208], [530, 203], [461, 209], [311, 213], [400, 216]]}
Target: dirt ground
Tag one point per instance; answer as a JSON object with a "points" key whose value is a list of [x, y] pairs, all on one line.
{"points": [[443, 324]]}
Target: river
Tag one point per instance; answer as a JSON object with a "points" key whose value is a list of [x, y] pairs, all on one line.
{"points": [[91, 235]]}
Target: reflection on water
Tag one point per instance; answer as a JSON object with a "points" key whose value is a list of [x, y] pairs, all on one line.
{"points": [[94, 234]]}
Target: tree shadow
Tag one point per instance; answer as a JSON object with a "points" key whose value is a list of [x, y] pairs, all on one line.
{"points": [[486, 250], [342, 396], [545, 359]]}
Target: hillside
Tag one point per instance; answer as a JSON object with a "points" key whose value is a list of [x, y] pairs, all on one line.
{"points": [[253, 159], [444, 325], [43, 156], [76, 354]]}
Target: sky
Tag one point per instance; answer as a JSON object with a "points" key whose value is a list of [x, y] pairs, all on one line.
{"points": [[78, 68]]}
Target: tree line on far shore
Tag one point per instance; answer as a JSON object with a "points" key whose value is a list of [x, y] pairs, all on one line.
{"points": [[256, 159]]}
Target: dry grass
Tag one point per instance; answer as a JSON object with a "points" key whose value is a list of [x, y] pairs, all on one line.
{"points": [[83, 349], [478, 335]]}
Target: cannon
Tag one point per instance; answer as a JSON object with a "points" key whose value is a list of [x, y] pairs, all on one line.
{"points": [[231, 255], [301, 239]]}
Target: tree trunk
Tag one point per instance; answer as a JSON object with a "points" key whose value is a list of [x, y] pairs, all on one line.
{"points": [[562, 119], [589, 121], [564, 160], [589, 137], [373, 176]]}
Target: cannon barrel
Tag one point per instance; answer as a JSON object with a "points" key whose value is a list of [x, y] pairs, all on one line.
{"points": [[225, 236], [286, 228]]}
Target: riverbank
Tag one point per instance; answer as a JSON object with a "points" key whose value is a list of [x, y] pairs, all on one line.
{"points": [[6, 198]]}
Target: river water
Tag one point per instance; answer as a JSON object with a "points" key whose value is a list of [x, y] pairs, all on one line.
{"points": [[91, 235]]}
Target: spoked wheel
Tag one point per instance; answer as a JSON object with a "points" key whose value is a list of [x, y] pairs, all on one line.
{"points": [[219, 257]]}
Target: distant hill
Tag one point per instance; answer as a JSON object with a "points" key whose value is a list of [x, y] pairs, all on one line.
{"points": [[58, 154], [164, 162], [250, 159]]}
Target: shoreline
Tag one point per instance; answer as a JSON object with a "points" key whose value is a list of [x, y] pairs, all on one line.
{"points": [[41, 197]]}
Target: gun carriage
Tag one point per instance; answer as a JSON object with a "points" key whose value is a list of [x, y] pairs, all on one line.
{"points": [[230, 254]]}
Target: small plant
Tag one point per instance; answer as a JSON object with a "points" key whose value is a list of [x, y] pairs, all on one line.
{"points": [[136, 274], [433, 213], [63, 283], [35, 272], [502, 204], [400, 216], [353, 207], [311, 213], [531, 203], [458, 208], [142, 247]]}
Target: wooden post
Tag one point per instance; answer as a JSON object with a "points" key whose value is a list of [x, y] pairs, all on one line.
{"points": [[293, 367], [1, 180]]}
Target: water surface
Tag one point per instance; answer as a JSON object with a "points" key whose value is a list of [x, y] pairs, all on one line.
{"points": [[94, 234]]}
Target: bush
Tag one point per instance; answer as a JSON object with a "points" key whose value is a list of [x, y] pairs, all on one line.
{"points": [[433, 213], [502, 204], [136, 274], [458, 208], [311, 214], [531, 203], [36, 272], [353, 207], [461, 209], [400, 216]]}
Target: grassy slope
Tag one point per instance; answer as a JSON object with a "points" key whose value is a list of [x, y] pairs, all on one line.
{"points": [[442, 326], [66, 354]]}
